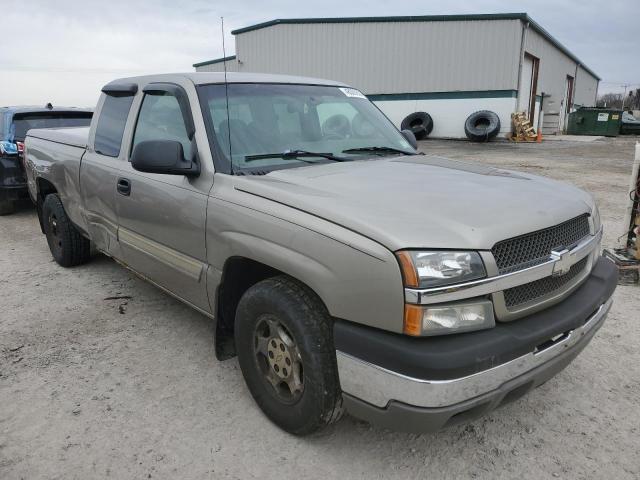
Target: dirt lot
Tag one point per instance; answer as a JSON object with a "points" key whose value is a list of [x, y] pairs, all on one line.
{"points": [[92, 387]]}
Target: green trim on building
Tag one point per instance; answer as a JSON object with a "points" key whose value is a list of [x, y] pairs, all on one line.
{"points": [[214, 61], [443, 95], [523, 17], [406, 18]]}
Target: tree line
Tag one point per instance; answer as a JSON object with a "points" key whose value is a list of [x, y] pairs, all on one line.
{"points": [[615, 100]]}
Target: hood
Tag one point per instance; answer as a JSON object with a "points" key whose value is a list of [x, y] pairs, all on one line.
{"points": [[423, 201]]}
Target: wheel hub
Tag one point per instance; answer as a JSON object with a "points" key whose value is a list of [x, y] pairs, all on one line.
{"points": [[279, 357]]}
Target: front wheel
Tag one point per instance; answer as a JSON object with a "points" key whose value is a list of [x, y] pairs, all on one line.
{"points": [[67, 245], [284, 341]]}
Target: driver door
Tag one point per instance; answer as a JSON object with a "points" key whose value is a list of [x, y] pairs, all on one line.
{"points": [[162, 217]]}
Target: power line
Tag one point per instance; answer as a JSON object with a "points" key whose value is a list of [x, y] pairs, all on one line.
{"points": [[621, 84]]}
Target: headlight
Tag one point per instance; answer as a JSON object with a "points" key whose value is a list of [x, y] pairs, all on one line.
{"points": [[428, 269], [460, 317]]}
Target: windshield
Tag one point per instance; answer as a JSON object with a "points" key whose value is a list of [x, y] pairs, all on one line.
{"points": [[23, 122], [272, 119]]}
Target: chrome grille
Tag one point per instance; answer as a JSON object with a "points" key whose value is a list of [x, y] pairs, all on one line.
{"points": [[529, 292], [535, 248]]}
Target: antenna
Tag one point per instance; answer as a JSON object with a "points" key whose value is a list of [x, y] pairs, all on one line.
{"points": [[226, 92]]}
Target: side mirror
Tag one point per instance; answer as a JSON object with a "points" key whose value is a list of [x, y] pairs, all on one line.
{"points": [[411, 138], [163, 156]]}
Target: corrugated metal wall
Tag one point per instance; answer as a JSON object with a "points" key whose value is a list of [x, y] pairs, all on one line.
{"points": [[586, 88], [232, 66], [390, 57], [471, 58], [554, 68]]}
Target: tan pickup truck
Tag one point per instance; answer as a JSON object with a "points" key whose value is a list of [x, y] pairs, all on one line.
{"points": [[341, 266]]}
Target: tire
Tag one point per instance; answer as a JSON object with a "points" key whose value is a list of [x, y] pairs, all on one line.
{"points": [[482, 126], [280, 311], [420, 123], [7, 207], [68, 247]]}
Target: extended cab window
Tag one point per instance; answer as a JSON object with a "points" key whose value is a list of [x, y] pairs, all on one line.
{"points": [[160, 118], [111, 123]]}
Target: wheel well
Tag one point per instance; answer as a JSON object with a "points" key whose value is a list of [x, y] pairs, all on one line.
{"points": [[239, 274], [45, 187]]}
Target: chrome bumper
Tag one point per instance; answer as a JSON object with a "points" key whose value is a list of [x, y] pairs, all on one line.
{"points": [[378, 386]]}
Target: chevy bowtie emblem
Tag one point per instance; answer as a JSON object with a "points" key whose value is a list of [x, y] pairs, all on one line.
{"points": [[562, 263]]}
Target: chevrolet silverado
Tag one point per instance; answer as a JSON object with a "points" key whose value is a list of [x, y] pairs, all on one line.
{"points": [[344, 269]]}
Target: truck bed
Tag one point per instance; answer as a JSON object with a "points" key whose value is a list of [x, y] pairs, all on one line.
{"points": [[73, 136], [54, 155]]}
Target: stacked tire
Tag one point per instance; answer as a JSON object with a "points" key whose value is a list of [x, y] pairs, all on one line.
{"points": [[482, 126]]}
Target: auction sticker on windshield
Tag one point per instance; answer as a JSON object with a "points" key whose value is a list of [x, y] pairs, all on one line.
{"points": [[352, 92]]}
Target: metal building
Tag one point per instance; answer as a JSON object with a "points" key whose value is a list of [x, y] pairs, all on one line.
{"points": [[446, 65], [218, 65]]}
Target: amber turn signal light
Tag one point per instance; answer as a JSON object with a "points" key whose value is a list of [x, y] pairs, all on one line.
{"points": [[412, 320], [409, 274]]}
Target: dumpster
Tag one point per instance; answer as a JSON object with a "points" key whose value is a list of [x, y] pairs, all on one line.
{"points": [[595, 121]]}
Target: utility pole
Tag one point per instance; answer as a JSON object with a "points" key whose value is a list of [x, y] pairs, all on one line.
{"points": [[624, 96]]}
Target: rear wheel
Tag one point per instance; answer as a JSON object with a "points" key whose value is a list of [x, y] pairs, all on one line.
{"points": [[283, 336], [67, 245]]}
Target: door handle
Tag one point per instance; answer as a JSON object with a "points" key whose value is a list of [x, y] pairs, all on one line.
{"points": [[124, 186]]}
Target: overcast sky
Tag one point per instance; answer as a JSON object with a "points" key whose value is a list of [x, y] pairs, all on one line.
{"points": [[63, 51]]}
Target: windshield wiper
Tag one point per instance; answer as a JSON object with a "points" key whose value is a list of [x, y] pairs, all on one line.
{"points": [[295, 155], [378, 150]]}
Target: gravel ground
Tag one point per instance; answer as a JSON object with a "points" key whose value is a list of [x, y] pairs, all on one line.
{"points": [[104, 376]]}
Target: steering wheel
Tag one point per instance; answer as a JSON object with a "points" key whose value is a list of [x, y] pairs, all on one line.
{"points": [[333, 136], [336, 127], [362, 127]]}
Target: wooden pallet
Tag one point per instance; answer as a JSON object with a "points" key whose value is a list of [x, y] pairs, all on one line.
{"points": [[628, 266], [522, 129]]}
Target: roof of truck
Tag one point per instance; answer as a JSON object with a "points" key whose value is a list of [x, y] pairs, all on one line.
{"points": [[203, 78]]}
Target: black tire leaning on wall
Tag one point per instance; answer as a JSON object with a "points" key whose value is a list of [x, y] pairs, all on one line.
{"points": [[482, 126], [420, 123]]}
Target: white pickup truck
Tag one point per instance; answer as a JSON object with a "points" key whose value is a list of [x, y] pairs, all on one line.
{"points": [[341, 266]]}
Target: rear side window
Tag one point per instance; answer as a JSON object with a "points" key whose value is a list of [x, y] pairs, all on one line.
{"points": [[111, 123]]}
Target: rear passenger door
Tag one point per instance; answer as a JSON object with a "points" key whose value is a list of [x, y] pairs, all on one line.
{"points": [[162, 217], [101, 165]]}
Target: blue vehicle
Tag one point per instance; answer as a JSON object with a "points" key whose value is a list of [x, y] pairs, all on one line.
{"points": [[14, 124]]}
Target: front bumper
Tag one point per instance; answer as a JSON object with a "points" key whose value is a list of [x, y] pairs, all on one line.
{"points": [[429, 383]]}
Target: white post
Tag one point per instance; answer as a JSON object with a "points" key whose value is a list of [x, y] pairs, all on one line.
{"points": [[540, 120], [633, 185]]}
